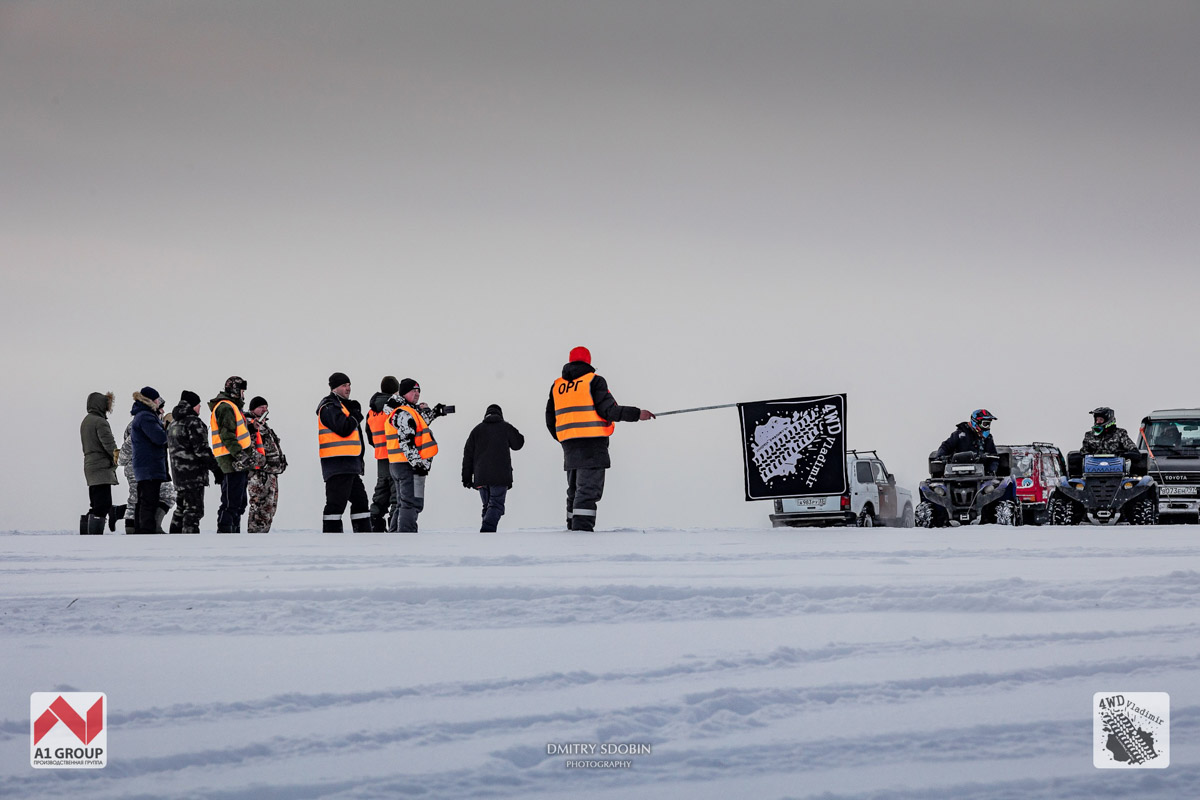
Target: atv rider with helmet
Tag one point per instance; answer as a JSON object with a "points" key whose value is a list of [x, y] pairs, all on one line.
{"points": [[973, 436], [1105, 437]]}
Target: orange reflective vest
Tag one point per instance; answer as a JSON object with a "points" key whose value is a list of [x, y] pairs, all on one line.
{"points": [[575, 414], [426, 446], [331, 445], [375, 422], [242, 432], [258, 444]]}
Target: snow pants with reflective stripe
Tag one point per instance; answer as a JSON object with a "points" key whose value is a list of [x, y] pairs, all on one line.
{"points": [[342, 489], [585, 487]]}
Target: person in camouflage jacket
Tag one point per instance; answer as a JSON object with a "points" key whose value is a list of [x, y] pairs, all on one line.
{"points": [[192, 461], [264, 480], [1105, 437]]}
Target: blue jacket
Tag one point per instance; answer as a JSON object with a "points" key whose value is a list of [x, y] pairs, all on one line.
{"points": [[149, 439]]}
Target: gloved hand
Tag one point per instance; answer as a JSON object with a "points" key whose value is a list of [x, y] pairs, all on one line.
{"points": [[244, 460], [468, 485], [419, 469], [218, 476], [439, 410], [355, 409]]}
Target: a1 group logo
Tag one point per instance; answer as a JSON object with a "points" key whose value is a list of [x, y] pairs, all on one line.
{"points": [[68, 730]]}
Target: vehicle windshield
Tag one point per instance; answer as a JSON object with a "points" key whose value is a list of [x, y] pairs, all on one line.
{"points": [[1173, 436], [1021, 465]]}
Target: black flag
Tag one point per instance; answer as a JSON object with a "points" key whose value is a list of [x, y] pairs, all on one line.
{"points": [[794, 448]]}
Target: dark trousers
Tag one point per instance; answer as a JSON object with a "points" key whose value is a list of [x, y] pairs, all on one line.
{"points": [[342, 489], [145, 520], [233, 502], [410, 491], [101, 500], [385, 490], [585, 487], [493, 506], [189, 508]]}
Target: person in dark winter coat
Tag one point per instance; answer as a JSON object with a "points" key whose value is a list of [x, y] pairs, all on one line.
{"points": [[100, 455], [264, 480], [192, 462], [412, 454], [340, 443], [166, 492], [378, 411], [580, 414], [149, 437], [973, 436], [487, 464], [1104, 436], [233, 446]]}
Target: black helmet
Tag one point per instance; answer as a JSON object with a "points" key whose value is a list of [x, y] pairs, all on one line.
{"points": [[1107, 417]]}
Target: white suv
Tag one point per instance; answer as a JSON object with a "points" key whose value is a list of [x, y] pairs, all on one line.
{"points": [[873, 499]]}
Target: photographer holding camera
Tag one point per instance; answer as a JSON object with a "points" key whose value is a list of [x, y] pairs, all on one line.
{"points": [[410, 448]]}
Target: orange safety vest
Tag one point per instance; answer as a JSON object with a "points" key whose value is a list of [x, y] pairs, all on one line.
{"points": [[242, 432], [426, 446], [331, 445], [258, 444], [575, 414], [375, 422]]}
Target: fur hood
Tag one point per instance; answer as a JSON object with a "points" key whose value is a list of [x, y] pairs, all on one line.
{"points": [[101, 404], [140, 399]]}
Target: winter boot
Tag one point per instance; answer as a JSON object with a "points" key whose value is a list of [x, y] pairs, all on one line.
{"points": [[360, 524], [130, 527], [83, 524], [95, 525], [331, 526], [378, 524], [160, 514], [176, 524], [115, 513]]}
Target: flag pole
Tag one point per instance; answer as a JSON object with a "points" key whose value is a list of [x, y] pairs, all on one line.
{"points": [[690, 410]]}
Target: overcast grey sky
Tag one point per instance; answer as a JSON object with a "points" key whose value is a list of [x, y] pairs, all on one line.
{"points": [[931, 206]]}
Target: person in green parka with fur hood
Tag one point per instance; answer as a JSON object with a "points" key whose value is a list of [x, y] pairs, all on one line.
{"points": [[99, 465]]}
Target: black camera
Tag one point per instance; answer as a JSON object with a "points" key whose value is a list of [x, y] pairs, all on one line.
{"points": [[442, 410]]}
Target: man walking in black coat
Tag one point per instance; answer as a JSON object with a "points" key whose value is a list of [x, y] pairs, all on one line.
{"points": [[580, 414], [487, 464]]}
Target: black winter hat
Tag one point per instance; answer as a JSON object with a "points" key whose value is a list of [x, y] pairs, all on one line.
{"points": [[494, 409], [150, 393], [337, 379], [189, 399], [257, 401], [389, 385], [407, 385]]}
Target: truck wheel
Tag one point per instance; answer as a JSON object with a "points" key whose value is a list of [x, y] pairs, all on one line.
{"points": [[906, 519], [1004, 513], [865, 519], [1144, 511], [1064, 512]]}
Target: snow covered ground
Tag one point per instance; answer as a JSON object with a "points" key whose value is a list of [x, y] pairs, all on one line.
{"points": [[754, 663]]}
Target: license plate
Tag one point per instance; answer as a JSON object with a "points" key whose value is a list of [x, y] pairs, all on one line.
{"points": [[1177, 490], [810, 502]]}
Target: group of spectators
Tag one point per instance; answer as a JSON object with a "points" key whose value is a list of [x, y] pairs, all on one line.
{"points": [[168, 457]]}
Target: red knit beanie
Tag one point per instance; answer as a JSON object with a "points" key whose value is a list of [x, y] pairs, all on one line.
{"points": [[581, 354]]}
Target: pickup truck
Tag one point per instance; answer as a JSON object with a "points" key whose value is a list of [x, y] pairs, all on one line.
{"points": [[873, 499], [1171, 440]]}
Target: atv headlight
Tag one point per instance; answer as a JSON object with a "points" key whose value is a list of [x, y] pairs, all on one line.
{"points": [[939, 490], [991, 487]]}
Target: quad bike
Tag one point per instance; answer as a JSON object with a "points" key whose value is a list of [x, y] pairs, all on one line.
{"points": [[1104, 490], [966, 489]]}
